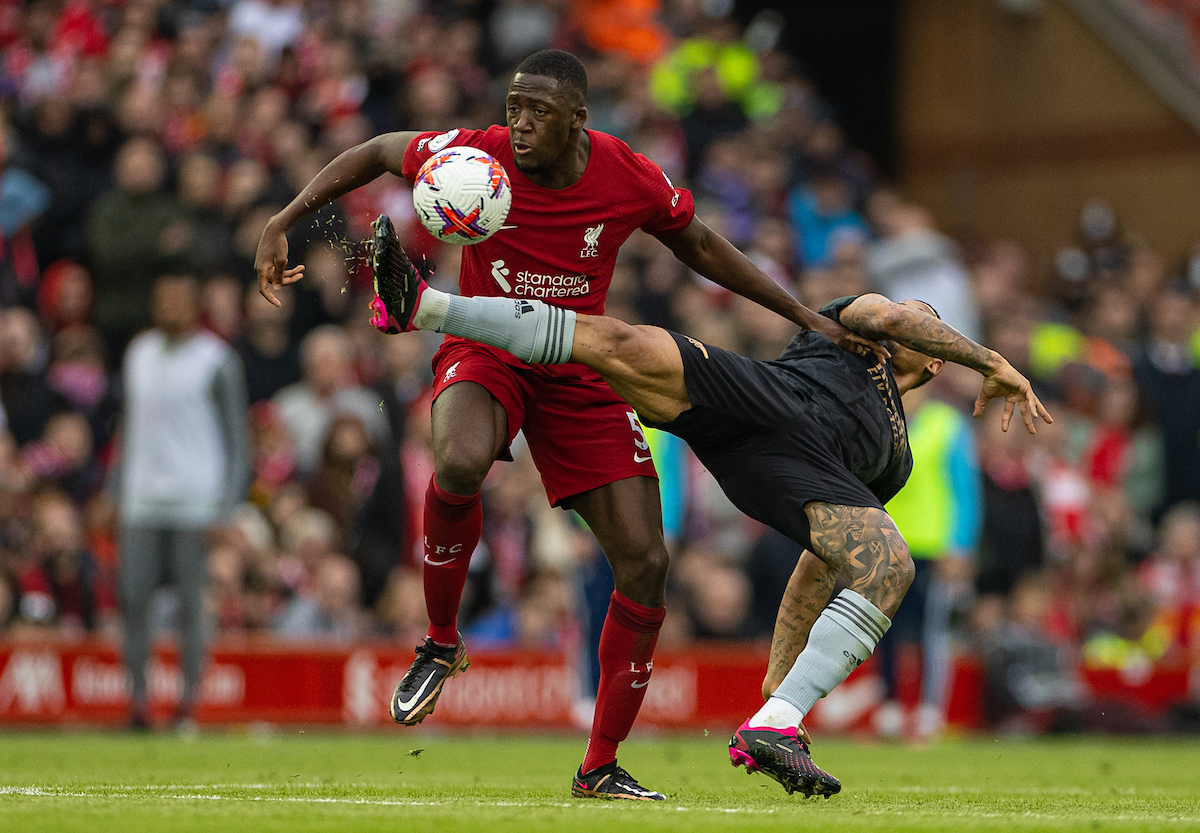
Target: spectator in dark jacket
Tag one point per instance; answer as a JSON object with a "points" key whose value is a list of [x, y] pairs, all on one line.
{"points": [[136, 232]]}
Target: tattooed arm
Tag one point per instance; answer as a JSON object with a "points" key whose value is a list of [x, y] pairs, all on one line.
{"points": [[908, 323]]}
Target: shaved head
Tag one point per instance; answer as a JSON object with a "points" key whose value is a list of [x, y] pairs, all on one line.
{"points": [[923, 306], [563, 67]]}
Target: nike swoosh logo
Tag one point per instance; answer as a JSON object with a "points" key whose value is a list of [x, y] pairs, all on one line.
{"points": [[637, 458], [502, 228], [432, 563], [405, 705], [639, 685]]}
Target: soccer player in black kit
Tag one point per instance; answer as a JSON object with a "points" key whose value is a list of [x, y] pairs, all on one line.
{"points": [[812, 443]]}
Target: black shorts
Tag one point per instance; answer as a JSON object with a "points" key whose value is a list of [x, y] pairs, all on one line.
{"points": [[772, 449]]}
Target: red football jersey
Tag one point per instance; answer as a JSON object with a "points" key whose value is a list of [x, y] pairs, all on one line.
{"points": [[560, 246]]}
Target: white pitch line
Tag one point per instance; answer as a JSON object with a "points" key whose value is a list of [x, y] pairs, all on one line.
{"points": [[160, 792], [951, 790], [165, 792]]}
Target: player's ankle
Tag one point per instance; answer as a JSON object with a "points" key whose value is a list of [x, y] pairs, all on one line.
{"points": [[588, 767], [444, 636], [431, 306], [600, 751], [777, 713], [412, 326]]}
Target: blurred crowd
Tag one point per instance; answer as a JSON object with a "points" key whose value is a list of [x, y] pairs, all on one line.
{"points": [[155, 137]]}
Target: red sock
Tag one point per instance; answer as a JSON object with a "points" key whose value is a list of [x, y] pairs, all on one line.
{"points": [[626, 648], [453, 524]]}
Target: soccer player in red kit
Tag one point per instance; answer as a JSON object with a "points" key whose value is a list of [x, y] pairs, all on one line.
{"points": [[577, 196]]}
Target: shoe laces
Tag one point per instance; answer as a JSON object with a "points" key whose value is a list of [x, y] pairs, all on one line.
{"points": [[620, 773], [426, 653], [425, 268]]}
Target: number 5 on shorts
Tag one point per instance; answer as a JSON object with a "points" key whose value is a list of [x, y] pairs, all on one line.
{"points": [[639, 438]]}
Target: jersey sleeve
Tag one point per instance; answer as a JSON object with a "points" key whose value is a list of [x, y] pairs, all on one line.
{"points": [[671, 209], [425, 145], [833, 310]]}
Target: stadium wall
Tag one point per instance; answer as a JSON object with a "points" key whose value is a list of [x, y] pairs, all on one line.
{"points": [[1009, 123], [84, 683]]}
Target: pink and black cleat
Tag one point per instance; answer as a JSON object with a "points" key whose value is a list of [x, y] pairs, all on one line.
{"points": [[782, 755], [398, 284]]}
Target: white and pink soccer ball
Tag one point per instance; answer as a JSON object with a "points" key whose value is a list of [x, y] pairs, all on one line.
{"points": [[462, 195]]}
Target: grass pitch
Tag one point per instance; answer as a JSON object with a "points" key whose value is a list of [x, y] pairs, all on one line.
{"points": [[292, 782]]}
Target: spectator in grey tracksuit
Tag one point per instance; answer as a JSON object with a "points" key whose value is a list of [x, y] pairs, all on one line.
{"points": [[185, 465]]}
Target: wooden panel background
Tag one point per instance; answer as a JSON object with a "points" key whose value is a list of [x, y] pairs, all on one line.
{"points": [[1007, 125]]}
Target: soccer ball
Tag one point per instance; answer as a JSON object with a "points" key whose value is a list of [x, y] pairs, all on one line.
{"points": [[462, 195]]}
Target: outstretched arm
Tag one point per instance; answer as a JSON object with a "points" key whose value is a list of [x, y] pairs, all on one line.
{"points": [[353, 168], [874, 316], [711, 255]]}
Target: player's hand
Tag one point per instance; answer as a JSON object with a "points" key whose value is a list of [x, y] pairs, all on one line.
{"points": [[849, 341], [1005, 382], [270, 262]]}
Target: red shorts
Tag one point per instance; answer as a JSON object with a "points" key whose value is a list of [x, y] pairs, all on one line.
{"points": [[581, 435]]}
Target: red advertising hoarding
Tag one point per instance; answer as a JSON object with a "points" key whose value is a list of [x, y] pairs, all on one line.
{"points": [[85, 683]]}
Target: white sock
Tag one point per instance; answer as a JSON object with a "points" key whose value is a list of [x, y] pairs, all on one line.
{"points": [[841, 639], [778, 714], [532, 331], [431, 311]]}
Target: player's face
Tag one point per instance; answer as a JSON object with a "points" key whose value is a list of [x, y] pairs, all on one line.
{"points": [[906, 362], [541, 121]]}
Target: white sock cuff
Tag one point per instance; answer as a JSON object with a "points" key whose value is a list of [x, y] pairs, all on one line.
{"points": [[532, 331], [431, 311], [778, 713], [554, 335], [859, 616]]}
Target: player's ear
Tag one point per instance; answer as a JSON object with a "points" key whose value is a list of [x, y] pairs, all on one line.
{"points": [[935, 367], [580, 117]]}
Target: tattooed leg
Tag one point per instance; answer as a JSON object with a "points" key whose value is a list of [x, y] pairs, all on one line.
{"points": [[864, 547], [807, 593]]}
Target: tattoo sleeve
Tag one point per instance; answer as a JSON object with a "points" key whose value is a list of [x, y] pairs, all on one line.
{"points": [[877, 317]]}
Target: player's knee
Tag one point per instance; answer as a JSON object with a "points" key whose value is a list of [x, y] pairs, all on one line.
{"points": [[655, 562], [460, 470], [620, 340], [640, 571]]}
